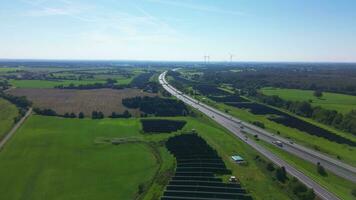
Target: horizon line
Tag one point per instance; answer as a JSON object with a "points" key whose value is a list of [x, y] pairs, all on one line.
{"points": [[153, 60]]}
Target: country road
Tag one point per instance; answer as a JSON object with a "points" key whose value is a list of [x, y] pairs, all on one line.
{"points": [[14, 129], [236, 126]]}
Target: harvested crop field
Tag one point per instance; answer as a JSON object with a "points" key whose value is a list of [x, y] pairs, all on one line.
{"points": [[86, 101]]}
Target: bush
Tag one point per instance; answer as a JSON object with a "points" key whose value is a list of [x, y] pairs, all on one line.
{"points": [[301, 191], [270, 167], [353, 192], [321, 170], [259, 124], [281, 174]]}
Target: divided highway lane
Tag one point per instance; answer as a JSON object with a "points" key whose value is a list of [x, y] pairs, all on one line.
{"points": [[337, 167], [234, 125]]}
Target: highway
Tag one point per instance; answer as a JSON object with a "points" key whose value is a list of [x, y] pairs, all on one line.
{"points": [[237, 127]]}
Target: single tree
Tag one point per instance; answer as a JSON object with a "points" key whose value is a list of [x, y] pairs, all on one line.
{"points": [[81, 115], [321, 170]]}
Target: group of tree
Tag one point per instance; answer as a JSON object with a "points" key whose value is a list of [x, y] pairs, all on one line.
{"points": [[345, 122], [110, 83], [157, 106], [21, 102], [51, 112], [141, 80], [297, 189], [4, 84], [94, 114], [314, 77], [162, 125], [125, 114], [97, 115]]}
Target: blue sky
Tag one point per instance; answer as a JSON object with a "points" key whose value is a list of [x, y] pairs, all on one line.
{"points": [[250, 30]]}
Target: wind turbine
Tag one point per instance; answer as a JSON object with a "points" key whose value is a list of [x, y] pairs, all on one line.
{"points": [[231, 56]]}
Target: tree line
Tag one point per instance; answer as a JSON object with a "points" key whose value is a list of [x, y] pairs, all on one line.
{"points": [[110, 83], [345, 122], [94, 114]]}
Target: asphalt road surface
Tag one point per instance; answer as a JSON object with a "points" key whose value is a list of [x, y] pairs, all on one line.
{"points": [[239, 129]]}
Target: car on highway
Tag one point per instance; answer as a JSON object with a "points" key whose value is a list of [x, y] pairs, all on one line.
{"points": [[278, 143]]}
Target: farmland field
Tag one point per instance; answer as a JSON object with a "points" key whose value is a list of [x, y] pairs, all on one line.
{"points": [[8, 112], [51, 158], [333, 101], [49, 84], [86, 101], [57, 158]]}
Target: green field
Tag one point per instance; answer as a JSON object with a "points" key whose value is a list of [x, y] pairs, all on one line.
{"points": [[49, 84], [333, 101], [9, 69], [57, 158], [8, 112], [52, 84]]}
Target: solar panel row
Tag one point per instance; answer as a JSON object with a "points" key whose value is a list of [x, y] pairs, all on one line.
{"points": [[195, 176]]}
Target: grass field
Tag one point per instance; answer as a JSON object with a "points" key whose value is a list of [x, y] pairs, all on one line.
{"points": [[8, 112], [9, 69], [56, 158], [86, 101], [49, 84], [333, 101]]}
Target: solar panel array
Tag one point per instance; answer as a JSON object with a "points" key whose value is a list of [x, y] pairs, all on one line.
{"points": [[195, 176]]}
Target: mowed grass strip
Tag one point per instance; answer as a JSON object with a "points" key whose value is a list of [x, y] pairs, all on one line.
{"points": [[57, 158], [8, 112], [333, 101]]}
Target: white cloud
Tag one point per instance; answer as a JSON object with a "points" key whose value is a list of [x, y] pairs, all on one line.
{"points": [[197, 7]]}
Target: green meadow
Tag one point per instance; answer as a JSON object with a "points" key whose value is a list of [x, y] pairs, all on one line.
{"points": [[8, 112], [49, 84], [58, 158], [333, 101]]}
